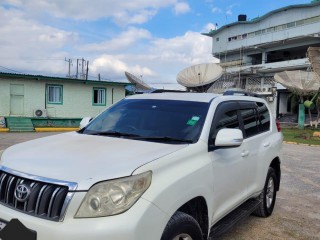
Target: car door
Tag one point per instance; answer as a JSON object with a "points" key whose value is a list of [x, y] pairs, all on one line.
{"points": [[255, 121], [229, 168]]}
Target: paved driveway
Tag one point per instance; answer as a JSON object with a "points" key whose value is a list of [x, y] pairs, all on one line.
{"points": [[297, 210]]}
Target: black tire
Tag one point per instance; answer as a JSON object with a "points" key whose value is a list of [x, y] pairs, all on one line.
{"points": [[268, 195], [182, 225]]}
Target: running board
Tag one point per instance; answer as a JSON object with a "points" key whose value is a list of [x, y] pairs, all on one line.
{"points": [[234, 217]]}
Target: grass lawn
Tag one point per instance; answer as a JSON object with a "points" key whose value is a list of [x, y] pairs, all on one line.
{"points": [[301, 136]]}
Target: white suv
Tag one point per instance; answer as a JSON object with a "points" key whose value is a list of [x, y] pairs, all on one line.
{"points": [[153, 166]]}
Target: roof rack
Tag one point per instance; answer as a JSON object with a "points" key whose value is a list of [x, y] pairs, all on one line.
{"points": [[242, 93], [166, 90]]}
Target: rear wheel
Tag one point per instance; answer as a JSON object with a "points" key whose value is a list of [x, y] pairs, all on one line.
{"points": [[268, 195], [182, 226]]}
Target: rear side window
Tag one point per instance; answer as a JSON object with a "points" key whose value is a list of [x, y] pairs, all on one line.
{"points": [[264, 117], [250, 122]]}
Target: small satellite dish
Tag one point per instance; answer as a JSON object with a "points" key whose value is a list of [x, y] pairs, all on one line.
{"points": [[199, 77], [137, 81]]}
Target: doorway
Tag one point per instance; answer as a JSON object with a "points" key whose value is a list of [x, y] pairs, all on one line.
{"points": [[17, 99]]}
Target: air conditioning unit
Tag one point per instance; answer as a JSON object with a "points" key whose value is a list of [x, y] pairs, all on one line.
{"points": [[40, 113], [270, 99]]}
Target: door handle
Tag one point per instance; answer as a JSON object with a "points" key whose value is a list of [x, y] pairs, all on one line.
{"points": [[267, 144], [245, 153]]}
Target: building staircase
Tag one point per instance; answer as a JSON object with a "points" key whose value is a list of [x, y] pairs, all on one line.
{"points": [[19, 124]]}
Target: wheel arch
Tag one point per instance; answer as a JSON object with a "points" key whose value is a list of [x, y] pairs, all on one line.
{"points": [[198, 209], [275, 164]]}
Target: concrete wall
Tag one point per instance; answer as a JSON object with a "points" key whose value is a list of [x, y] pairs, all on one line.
{"points": [[77, 98]]}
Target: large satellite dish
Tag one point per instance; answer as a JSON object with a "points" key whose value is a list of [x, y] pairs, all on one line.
{"points": [[199, 77], [314, 58], [140, 85], [301, 82]]}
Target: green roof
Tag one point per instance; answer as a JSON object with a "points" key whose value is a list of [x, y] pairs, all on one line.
{"points": [[48, 78], [258, 19]]}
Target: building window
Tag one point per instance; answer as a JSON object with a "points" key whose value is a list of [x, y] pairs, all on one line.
{"points": [[99, 97], [217, 39], [291, 24], [55, 94]]}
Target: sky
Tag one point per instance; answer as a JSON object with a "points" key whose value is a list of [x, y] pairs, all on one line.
{"points": [[152, 39]]}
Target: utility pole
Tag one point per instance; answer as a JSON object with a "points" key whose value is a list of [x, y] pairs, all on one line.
{"points": [[70, 64], [77, 68], [87, 70], [82, 69]]}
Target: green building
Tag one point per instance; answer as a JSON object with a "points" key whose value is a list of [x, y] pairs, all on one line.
{"points": [[41, 101]]}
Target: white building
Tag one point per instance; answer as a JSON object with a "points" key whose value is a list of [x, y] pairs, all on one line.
{"points": [[251, 52]]}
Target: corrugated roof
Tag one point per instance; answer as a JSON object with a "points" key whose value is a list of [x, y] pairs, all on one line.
{"points": [[258, 19], [46, 78]]}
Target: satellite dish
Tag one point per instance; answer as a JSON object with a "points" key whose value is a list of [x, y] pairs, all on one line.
{"points": [[137, 81], [301, 82], [314, 58], [199, 77]]}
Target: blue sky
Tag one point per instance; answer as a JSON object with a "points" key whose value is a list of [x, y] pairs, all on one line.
{"points": [[154, 39]]}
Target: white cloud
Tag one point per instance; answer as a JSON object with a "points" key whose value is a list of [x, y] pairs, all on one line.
{"points": [[27, 44], [216, 10], [122, 12], [32, 46], [113, 66], [121, 42], [209, 27], [181, 8], [229, 9], [160, 62]]}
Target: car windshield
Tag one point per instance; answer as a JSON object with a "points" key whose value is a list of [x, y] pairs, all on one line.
{"points": [[170, 121]]}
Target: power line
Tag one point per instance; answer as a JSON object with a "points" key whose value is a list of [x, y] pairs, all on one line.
{"points": [[10, 69]]}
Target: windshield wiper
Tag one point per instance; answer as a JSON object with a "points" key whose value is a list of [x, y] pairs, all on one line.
{"points": [[115, 133], [166, 139]]}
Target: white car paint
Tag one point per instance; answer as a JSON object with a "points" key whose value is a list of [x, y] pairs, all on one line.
{"points": [[225, 178]]}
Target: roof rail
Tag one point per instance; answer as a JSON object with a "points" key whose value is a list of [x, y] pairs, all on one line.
{"points": [[243, 93]]}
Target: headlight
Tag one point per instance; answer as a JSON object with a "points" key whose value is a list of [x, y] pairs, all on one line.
{"points": [[113, 197]]}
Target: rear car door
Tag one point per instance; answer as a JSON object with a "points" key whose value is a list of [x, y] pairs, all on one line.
{"points": [[229, 168], [255, 122]]}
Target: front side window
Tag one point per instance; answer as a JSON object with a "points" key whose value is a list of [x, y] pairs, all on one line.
{"points": [[152, 120], [228, 119], [55, 94], [99, 97]]}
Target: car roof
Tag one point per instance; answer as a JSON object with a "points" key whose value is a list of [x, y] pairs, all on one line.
{"points": [[183, 96]]}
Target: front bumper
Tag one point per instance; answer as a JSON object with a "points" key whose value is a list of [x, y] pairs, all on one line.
{"points": [[143, 221]]}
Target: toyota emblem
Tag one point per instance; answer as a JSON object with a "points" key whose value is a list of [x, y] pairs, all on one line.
{"points": [[22, 192]]}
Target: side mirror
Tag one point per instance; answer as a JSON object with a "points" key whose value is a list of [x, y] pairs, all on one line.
{"points": [[84, 122], [229, 137]]}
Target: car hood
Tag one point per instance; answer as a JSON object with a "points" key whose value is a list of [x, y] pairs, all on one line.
{"points": [[83, 159]]}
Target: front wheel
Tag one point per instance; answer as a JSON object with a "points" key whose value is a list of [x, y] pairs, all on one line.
{"points": [[268, 195], [182, 226]]}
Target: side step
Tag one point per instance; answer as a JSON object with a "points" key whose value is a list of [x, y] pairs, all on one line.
{"points": [[234, 217]]}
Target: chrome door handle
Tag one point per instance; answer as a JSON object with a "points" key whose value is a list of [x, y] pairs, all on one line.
{"points": [[245, 153]]}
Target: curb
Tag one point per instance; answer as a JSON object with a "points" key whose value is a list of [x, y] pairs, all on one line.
{"points": [[4, 129], [303, 144], [46, 129]]}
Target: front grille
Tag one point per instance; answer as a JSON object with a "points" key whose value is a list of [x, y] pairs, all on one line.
{"points": [[46, 200]]}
